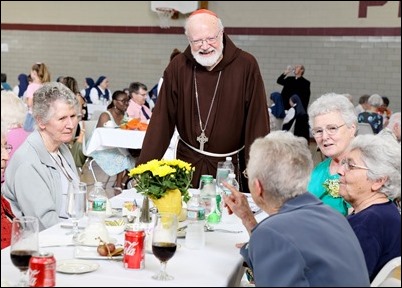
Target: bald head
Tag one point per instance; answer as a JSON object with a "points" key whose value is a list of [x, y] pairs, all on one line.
{"points": [[202, 20]]}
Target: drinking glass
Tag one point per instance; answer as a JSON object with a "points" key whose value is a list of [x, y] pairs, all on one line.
{"points": [[164, 241], [76, 205], [24, 242]]}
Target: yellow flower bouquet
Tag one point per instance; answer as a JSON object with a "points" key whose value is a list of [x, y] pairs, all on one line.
{"points": [[156, 177]]}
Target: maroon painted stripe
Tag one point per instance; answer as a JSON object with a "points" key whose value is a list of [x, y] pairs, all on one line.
{"points": [[345, 31]]}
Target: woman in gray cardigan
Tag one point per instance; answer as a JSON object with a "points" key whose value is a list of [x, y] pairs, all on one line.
{"points": [[41, 170]]}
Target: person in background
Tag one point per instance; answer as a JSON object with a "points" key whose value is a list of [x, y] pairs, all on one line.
{"points": [[115, 161], [214, 94], [21, 88], [370, 177], [393, 129], [384, 110], [72, 84], [60, 79], [370, 115], [136, 107], [13, 112], [276, 111], [6, 212], [303, 242], [297, 117], [100, 93], [296, 84], [334, 124], [76, 142], [88, 84], [4, 84], [363, 104], [42, 169], [39, 75]]}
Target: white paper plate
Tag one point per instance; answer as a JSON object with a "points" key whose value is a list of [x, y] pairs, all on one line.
{"points": [[83, 252], [94, 243], [75, 266]]}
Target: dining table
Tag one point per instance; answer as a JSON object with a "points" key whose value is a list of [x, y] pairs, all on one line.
{"points": [[218, 263], [105, 138]]}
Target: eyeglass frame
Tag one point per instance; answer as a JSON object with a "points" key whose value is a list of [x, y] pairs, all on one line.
{"points": [[245, 174], [209, 40], [327, 129], [7, 147], [349, 166]]}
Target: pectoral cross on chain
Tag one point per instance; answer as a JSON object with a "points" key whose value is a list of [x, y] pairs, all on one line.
{"points": [[202, 139]]}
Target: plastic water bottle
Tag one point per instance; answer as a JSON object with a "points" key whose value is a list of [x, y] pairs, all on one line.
{"points": [[97, 201], [225, 217], [223, 171], [195, 233], [207, 193], [231, 180]]}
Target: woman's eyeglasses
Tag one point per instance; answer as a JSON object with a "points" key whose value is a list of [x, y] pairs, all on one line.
{"points": [[330, 129], [349, 166]]}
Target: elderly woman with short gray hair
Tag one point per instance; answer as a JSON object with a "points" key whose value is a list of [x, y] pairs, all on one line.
{"points": [[42, 169], [333, 122], [370, 177]]}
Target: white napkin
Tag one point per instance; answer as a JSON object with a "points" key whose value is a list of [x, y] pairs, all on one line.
{"points": [[53, 240]]}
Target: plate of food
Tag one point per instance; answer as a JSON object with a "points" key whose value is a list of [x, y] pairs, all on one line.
{"points": [[84, 252], [75, 266]]}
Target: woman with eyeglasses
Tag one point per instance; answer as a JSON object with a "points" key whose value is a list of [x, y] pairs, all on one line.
{"points": [[334, 123], [370, 177], [115, 161], [6, 213]]}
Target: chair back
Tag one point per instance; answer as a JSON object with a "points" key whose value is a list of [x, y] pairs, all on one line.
{"points": [[364, 128], [90, 126], [385, 277]]}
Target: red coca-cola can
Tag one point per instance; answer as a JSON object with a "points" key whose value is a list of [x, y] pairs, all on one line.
{"points": [[134, 249], [42, 270]]}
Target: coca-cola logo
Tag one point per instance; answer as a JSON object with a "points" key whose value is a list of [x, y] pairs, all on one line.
{"points": [[32, 277], [129, 247]]}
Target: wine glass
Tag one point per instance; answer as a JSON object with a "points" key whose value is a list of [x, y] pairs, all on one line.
{"points": [[24, 243], [76, 205], [164, 241]]}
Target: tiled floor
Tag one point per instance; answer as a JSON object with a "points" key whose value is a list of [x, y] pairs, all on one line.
{"points": [[87, 177]]}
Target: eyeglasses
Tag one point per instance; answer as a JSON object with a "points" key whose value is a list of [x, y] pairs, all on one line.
{"points": [[245, 173], [143, 95], [330, 129], [7, 147], [349, 166], [209, 41], [125, 101]]}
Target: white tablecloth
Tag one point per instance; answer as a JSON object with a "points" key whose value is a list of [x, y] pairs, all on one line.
{"points": [[217, 264], [105, 138]]}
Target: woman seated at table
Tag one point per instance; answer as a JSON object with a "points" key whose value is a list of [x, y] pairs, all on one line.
{"points": [[41, 170], [370, 177], [115, 160]]}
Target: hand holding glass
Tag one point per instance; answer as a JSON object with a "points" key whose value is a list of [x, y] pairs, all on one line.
{"points": [[24, 242], [164, 242], [76, 205]]}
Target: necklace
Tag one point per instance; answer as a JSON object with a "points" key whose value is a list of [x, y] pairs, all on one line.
{"points": [[61, 165], [202, 138]]}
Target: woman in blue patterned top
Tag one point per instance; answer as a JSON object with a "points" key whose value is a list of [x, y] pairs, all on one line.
{"points": [[333, 121]]}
